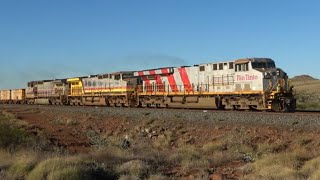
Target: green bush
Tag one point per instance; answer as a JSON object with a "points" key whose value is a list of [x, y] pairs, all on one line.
{"points": [[11, 137]]}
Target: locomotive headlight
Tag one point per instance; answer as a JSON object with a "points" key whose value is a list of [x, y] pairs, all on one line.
{"points": [[267, 75], [278, 73]]}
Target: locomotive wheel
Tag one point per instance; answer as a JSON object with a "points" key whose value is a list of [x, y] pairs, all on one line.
{"points": [[276, 106]]}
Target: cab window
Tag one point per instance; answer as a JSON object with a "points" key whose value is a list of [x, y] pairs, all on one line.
{"points": [[242, 67], [215, 67], [230, 65], [117, 77], [202, 68], [258, 65], [127, 75]]}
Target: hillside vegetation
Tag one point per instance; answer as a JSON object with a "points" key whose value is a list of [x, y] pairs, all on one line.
{"points": [[150, 148], [307, 91]]}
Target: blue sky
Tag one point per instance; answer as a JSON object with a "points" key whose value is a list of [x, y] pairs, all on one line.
{"points": [[45, 39]]}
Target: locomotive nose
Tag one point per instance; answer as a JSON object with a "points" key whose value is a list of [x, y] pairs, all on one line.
{"points": [[275, 73]]}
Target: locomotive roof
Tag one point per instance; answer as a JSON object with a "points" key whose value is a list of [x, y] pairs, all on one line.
{"points": [[122, 72], [157, 68], [243, 60], [52, 80], [253, 60], [118, 72]]}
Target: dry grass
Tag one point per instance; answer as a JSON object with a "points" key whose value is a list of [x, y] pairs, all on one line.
{"points": [[23, 163], [215, 146], [165, 141], [64, 121], [6, 159], [11, 137], [73, 168], [284, 165], [228, 149], [157, 177], [189, 158], [146, 157], [136, 168], [50, 168], [308, 94], [315, 175], [128, 177], [311, 168], [9, 115], [221, 158], [181, 154], [17, 165]]}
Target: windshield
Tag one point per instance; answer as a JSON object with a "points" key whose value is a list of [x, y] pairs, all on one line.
{"points": [[265, 65]]}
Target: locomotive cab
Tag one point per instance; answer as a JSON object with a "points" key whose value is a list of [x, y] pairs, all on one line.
{"points": [[279, 93], [260, 75]]}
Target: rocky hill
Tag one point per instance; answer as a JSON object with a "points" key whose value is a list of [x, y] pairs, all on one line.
{"points": [[307, 89]]}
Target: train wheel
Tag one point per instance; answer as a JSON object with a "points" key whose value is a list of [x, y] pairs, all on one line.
{"points": [[276, 106]]}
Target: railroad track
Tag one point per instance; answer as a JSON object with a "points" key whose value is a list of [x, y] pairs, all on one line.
{"points": [[297, 112]]}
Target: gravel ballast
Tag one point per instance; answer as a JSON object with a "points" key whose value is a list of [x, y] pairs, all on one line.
{"points": [[214, 117]]}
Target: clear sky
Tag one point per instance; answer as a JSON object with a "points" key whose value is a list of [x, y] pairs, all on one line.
{"points": [[46, 39]]}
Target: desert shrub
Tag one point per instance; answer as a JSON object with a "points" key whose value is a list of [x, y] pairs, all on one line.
{"points": [[265, 148], [241, 149], [283, 159], [6, 159], [304, 141], [157, 177], [22, 165], [311, 167], [165, 140], [64, 121], [136, 168], [219, 158], [183, 154], [214, 146], [188, 158], [8, 115], [68, 168], [72, 172], [200, 175], [285, 165], [11, 137], [315, 175], [273, 172], [111, 156], [199, 164], [128, 177]]}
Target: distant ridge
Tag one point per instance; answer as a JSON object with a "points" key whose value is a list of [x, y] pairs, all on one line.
{"points": [[303, 77]]}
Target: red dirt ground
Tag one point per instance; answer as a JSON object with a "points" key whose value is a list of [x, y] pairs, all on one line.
{"points": [[74, 139]]}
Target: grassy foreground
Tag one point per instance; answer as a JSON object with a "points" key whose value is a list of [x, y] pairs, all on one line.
{"points": [[27, 156]]}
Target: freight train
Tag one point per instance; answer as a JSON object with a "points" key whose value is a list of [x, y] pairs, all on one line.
{"points": [[243, 84]]}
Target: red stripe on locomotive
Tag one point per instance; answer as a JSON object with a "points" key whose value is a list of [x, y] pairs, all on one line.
{"points": [[172, 81], [185, 79], [159, 83]]}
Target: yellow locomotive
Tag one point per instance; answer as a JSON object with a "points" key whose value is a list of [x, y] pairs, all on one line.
{"points": [[114, 89]]}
